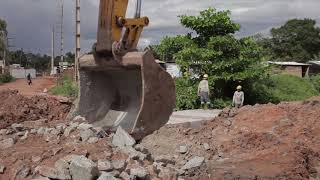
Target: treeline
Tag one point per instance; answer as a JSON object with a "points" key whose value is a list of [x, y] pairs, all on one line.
{"points": [[212, 48]]}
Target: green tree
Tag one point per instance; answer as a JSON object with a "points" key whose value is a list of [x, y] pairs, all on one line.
{"points": [[214, 50], [171, 45], [297, 40]]}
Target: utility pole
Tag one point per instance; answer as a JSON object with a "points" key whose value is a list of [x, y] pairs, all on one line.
{"points": [[62, 37], [52, 51], [78, 48]]}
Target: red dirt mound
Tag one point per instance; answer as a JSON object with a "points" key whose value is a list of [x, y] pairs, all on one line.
{"points": [[15, 108], [255, 142]]}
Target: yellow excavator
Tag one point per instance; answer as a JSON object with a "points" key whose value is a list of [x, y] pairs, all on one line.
{"points": [[120, 86]]}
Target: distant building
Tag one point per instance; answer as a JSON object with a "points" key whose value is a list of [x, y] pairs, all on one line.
{"points": [[291, 68], [2, 67], [19, 72], [314, 67]]}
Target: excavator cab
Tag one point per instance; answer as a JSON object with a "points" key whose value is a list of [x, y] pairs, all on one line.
{"points": [[120, 86]]}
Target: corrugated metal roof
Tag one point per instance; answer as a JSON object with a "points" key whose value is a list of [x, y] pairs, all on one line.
{"points": [[288, 63], [315, 62]]}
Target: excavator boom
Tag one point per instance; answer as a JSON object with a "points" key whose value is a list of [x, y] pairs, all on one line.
{"points": [[120, 86]]}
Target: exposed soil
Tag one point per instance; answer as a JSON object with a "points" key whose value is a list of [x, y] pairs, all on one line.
{"points": [[16, 108], [37, 87], [256, 142]]}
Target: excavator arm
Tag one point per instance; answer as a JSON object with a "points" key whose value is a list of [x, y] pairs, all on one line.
{"points": [[112, 21], [120, 86]]}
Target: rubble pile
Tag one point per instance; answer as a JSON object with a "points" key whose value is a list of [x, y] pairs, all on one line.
{"points": [[15, 108], [254, 142]]}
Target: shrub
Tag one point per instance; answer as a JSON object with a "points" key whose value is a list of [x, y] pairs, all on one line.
{"points": [[292, 88], [5, 78], [65, 87], [186, 93], [315, 80]]}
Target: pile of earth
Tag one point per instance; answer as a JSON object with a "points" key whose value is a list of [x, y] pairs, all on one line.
{"points": [[255, 142], [15, 108]]}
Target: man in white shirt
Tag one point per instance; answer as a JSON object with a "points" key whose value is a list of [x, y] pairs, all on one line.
{"points": [[204, 92], [238, 98]]}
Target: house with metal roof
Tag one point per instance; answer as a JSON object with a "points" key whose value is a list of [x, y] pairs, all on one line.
{"points": [[291, 68]]}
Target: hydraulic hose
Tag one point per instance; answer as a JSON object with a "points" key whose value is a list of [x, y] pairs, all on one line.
{"points": [[138, 9]]}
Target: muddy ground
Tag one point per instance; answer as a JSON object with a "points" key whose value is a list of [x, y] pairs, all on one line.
{"points": [[255, 142]]}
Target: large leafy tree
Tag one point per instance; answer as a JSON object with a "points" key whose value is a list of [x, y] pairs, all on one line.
{"points": [[215, 50], [297, 40]]}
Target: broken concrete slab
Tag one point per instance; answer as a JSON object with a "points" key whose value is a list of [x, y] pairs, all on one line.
{"points": [[133, 154], [84, 126], [122, 138], [86, 134], [119, 164], [17, 127], [105, 165], [53, 173], [193, 163], [206, 146], [183, 149], [93, 140], [139, 172], [164, 159], [6, 143], [106, 176], [82, 168]]}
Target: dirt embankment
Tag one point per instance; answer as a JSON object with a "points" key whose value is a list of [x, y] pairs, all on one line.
{"points": [[256, 142], [16, 108]]}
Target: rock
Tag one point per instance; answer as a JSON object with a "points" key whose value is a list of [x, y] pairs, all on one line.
{"points": [[25, 136], [2, 169], [6, 143], [56, 151], [106, 176], [21, 172], [206, 146], [193, 163], [69, 130], [104, 165], [125, 176], [53, 173], [119, 164], [86, 134], [34, 124], [100, 132], [63, 168], [41, 178], [79, 118], [20, 134], [122, 138], [36, 159], [17, 127], [41, 131], [141, 148], [183, 149], [82, 168], [85, 126], [168, 173], [9, 131], [93, 140], [115, 173], [139, 172], [33, 131], [165, 160], [3, 131], [133, 154]]}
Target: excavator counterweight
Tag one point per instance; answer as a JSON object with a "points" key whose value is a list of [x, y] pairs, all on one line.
{"points": [[120, 86]]}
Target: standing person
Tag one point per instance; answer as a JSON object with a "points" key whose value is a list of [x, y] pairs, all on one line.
{"points": [[204, 92], [238, 98], [29, 79]]}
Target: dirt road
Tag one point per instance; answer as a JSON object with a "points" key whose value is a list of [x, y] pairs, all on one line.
{"points": [[37, 87]]}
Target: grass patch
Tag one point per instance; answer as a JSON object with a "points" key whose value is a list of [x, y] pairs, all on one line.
{"points": [[290, 88], [65, 87]]}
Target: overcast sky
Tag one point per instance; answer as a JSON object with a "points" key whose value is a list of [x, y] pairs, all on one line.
{"points": [[30, 21]]}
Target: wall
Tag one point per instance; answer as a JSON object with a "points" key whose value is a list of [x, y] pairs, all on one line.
{"points": [[22, 73]]}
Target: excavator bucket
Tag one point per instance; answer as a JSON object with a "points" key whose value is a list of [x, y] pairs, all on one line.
{"points": [[136, 93]]}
